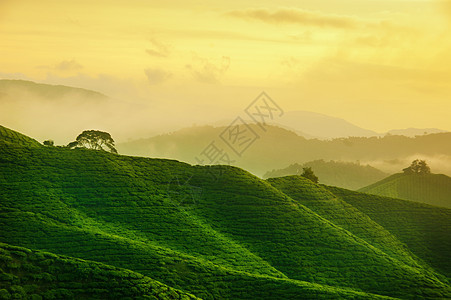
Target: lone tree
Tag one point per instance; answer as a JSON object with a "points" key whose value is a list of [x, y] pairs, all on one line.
{"points": [[417, 167], [94, 139], [308, 173], [49, 143]]}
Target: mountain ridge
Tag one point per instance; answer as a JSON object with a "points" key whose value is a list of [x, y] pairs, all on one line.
{"points": [[277, 148]]}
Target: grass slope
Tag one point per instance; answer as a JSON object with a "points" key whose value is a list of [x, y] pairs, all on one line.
{"points": [[326, 204], [216, 232], [10, 136], [336, 173], [30, 274], [425, 229], [433, 189]]}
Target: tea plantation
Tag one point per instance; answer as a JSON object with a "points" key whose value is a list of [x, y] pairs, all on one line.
{"points": [[425, 229], [41, 275], [434, 189], [215, 232]]}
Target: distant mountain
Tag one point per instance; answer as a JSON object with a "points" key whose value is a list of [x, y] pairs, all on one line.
{"points": [[411, 132], [277, 148], [347, 175], [111, 221], [434, 189], [322, 126], [23, 88], [312, 125]]}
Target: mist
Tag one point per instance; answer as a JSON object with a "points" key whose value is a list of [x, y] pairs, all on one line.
{"points": [[440, 164], [60, 113]]}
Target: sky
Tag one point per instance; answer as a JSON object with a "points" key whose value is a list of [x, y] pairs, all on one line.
{"points": [[378, 64]]}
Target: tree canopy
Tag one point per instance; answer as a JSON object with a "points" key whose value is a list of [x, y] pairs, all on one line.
{"points": [[309, 174], [417, 167], [94, 139], [49, 143]]}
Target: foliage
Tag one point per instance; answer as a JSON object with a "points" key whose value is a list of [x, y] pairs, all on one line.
{"points": [[49, 143], [72, 145], [94, 139], [418, 167], [309, 174]]}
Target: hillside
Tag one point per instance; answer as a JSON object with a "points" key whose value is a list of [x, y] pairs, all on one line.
{"points": [[20, 88], [433, 189], [347, 175], [30, 274], [211, 231], [423, 228], [277, 148], [10, 136], [342, 214]]}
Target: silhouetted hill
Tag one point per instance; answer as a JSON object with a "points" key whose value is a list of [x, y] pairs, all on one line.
{"points": [[277, 148], [211, 231], [336, 173], [22, 88], [411, 132], [434, 189], [322, 126]]}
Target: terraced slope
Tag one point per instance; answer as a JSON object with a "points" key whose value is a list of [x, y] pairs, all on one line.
{"points": [[52, 225], [215, 232], [11, 136], [433, 189], [28, 274], [323, 202], [425, 229]]}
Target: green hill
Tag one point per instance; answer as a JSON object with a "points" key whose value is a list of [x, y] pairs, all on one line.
{"points": [[326, 204], [423, 228], [10, 136], [434, 189], [30, 274], [211, 231], [348, 175]]}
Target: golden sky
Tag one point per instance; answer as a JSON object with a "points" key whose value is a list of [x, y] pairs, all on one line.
{"points": [[379, 64]]}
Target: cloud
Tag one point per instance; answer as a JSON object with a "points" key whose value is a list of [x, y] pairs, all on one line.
{"points": [[156, 76], [64, 66], [158, 49], [68, 65], [204, 70], [296, 16]]}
